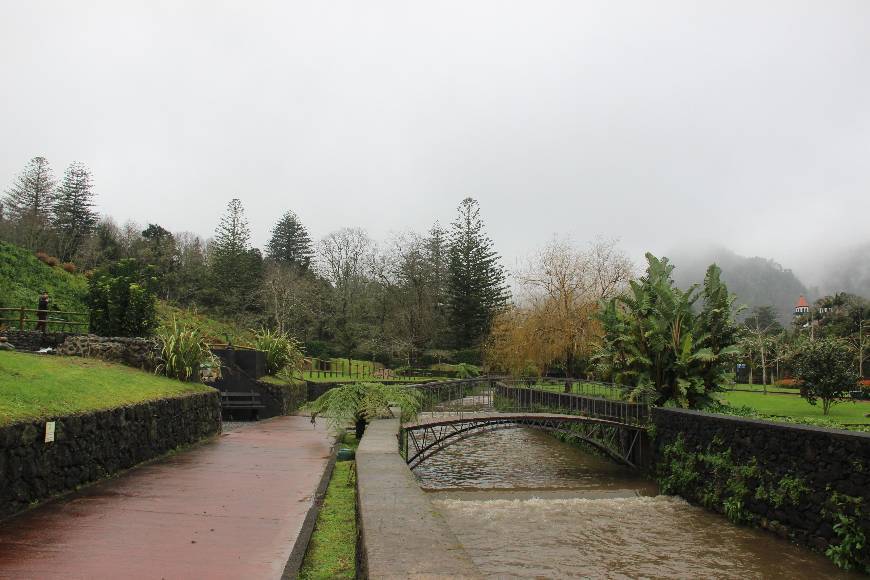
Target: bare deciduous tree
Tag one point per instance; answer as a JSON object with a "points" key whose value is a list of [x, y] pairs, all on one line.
{"points": [[345, 259]]}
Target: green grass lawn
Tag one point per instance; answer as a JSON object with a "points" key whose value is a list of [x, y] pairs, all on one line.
{"points": [[35, 387], [332, 551], [760, 389], [791, 406]]}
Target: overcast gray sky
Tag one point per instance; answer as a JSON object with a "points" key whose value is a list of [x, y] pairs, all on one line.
{"points": [[745, 124]]}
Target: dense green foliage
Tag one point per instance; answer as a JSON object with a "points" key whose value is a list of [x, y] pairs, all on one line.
{"points": [[852, 552], [33, 387], [22, 277], [283, 352], [359, 403], [656, 341], [184, 353], [827, 371], [121, 300]]}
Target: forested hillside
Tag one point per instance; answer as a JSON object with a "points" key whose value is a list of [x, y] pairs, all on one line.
{"points": [[756, 281], [417, 298]]}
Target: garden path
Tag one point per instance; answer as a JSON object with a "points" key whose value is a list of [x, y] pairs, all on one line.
{"points": [[230, 508]]}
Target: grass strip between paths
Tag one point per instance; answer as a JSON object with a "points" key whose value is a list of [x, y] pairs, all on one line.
{"points": [[332, 550]]}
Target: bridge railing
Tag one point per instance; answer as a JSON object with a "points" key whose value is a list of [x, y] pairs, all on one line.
{"points": [[458, 396], [601, 400], [529, 399]]}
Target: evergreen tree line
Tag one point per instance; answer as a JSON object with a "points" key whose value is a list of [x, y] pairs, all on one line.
{"points": [[42, 214], [419, 298]]}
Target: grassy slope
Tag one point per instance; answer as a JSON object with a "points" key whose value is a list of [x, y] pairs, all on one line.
{"points": [[215, 331], [332, 550], [33, 386], [792, 406], [22, 276]]}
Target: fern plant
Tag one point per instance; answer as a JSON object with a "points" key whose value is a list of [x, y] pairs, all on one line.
{"points": [[185, 354], [361, 402]]}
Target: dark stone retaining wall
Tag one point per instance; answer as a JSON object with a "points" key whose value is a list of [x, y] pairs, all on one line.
{"points": [[32, 340], [281, 399], [91, 446], [824, 460], [140, 353]]}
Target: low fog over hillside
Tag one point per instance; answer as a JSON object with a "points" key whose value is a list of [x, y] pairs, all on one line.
{"points": [[759, 281]]}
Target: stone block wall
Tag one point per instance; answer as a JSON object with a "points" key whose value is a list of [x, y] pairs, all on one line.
{"points": [[33, 340], [91, 446], [794, 480], [141, 353], [281, 399]]}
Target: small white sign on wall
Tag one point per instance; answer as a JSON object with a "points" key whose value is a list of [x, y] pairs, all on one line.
{"points": [[49, 432]]}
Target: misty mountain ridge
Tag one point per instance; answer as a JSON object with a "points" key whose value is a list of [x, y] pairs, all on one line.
{"points": [[755, 280]]}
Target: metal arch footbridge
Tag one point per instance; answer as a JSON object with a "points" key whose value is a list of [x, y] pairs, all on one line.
{"points": [[581, 411]]}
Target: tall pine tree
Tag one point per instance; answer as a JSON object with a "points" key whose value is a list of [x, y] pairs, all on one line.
{"points": [[74, 217], [236, 268], [290, 243], [29, 202], [437, 258], [476, 286]]}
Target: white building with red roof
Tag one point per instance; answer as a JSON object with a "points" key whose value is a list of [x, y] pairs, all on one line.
{"points": [[801, 306]]}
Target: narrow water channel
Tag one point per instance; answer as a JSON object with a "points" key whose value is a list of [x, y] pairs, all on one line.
{"points": [[525, 505]]}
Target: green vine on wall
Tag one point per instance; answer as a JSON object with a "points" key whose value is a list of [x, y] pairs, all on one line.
{"points": [[851, 553], [722, 484], [718, 482]]}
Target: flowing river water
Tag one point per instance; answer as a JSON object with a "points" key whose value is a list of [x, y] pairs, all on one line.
{"points": [[525, 505]]}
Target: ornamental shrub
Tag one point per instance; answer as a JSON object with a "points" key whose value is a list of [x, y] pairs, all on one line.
{"points": [[826, 370], [121, 300], [185, 355], [283, 352]]}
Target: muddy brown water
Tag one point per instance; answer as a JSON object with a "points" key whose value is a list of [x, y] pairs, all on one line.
{"points": [[525, 505]]}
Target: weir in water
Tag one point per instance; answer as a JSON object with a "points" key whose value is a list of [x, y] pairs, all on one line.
{"points": [[525, 505]]}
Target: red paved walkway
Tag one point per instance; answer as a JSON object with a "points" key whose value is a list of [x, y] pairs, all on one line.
{"points": [[228, 509]]}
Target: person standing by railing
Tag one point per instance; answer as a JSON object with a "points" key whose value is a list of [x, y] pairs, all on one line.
{"points": [[42, 310]]}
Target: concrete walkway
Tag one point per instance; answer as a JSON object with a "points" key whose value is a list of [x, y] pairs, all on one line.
{"points": [[231, 508], [403, 536]]}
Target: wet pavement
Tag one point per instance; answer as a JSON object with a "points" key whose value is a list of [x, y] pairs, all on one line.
{"points": [[231, 508]]}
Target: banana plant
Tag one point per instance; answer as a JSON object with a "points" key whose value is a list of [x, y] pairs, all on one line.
{"points": [[657, 341]]}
